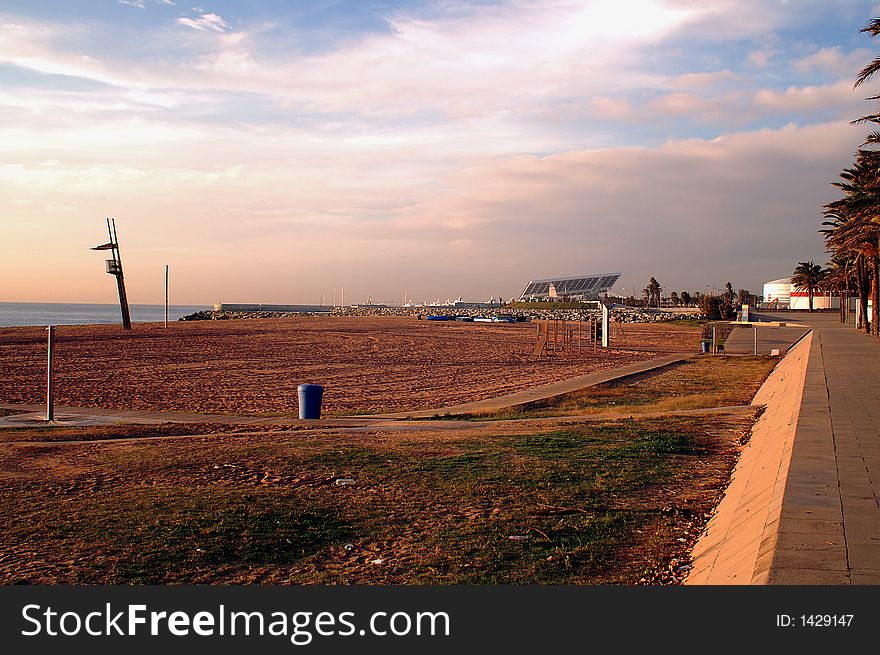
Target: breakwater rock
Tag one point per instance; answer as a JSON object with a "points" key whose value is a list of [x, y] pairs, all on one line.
{"points": [[618, 314], [215, 315]]}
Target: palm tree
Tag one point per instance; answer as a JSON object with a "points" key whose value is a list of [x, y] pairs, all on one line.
{"points": [[652, 293], [729, 288], [862, 231], [872, 28], [853, 228], [808, 275], [840, 279]]}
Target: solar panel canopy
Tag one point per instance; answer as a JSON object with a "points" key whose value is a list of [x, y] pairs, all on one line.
{"points": [[579, 287]]}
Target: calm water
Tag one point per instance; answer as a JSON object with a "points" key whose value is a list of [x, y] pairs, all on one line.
{"points": [[30, 313]]}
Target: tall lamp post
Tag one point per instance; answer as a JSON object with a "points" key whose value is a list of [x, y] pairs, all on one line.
{"points": [[114, 267]]}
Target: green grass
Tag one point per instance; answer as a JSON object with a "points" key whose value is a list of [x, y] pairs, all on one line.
{"points": [[150, 536]]}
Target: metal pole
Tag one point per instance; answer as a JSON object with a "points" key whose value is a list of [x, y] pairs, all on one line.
{"points": [[166, 296], [50, 382], [756, 339], [714, 347]]}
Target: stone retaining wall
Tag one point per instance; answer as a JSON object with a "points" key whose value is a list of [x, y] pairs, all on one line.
{"points": [[740, 539]]}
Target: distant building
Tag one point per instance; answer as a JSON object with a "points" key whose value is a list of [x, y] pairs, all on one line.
{"points": [[578, 287], [780, 294]]}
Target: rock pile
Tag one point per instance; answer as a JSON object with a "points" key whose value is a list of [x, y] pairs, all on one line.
{"points": [[214, 315], [619, 314]]}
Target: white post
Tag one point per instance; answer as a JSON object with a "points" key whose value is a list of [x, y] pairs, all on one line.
{"points": [[714, 347], [606, 325], [50, 381], [756, 339]]}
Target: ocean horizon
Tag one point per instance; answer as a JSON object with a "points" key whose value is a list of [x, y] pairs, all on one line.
{"points": [[21, 314]]}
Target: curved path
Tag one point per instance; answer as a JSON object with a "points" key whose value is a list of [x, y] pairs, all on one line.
{"points": [[540, 393]]}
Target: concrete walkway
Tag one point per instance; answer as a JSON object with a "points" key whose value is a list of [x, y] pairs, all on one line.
{"points": [[539, 393], [803, 506], [35, 415], [742, 339]]}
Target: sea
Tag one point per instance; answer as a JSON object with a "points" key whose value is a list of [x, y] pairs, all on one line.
{"points": [[33, 313]]}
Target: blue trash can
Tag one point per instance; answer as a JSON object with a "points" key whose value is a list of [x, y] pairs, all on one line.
{"points": [[310, 396], [706, 345]]}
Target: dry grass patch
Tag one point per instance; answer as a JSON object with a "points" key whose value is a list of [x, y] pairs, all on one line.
{"points": [[586, 503], [699, 383], [59, 433]]}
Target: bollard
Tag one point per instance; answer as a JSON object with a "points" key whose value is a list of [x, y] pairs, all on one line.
{"points": [[310, 397]]}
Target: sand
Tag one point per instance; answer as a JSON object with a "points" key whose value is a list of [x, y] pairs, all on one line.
{"points": [[254, 366]]}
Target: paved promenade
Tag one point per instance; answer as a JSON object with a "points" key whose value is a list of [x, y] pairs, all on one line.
{"points": [[742, 340], [803, 505], [829, 531]]}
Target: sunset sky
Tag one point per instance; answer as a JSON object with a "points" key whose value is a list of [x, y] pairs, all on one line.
{"points": [[270, 150]]}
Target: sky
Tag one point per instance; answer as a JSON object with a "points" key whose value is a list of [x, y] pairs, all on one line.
{"points": [[278, 151]]}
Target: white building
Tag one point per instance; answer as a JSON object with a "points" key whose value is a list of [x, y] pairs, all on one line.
{"points": [[780, 294]]}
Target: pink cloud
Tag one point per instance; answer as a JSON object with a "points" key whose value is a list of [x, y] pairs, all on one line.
{"points": [[834, 60], [615, 109]]}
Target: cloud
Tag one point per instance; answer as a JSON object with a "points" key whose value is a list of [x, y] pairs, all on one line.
{"points": [[540, 69], [615, 109], [704, 79], [132, 3], [209, 22], [838, 95], [833, 60], [676, 211], [759, 58], [475, 128], [682, 104]]}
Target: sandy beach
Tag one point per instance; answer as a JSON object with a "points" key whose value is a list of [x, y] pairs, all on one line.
{"points": [[255, 366]]}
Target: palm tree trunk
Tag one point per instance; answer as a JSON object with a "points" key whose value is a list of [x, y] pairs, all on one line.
{"points": [[862, 280], [875, 295]]}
